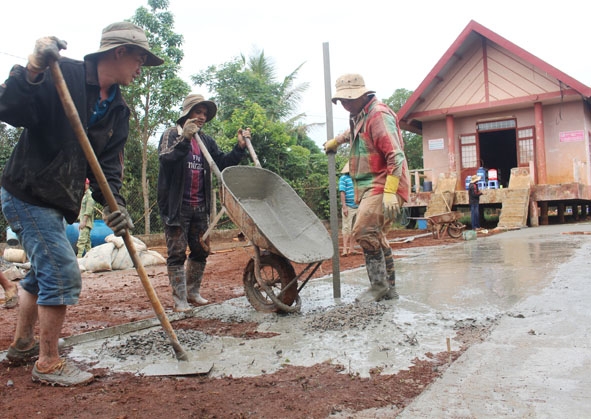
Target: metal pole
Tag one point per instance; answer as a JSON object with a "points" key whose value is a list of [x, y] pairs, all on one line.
{"points": [[334, 216]]}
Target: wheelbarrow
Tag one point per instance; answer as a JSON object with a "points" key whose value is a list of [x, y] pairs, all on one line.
{"points": [[281, 228], [448, 222]]}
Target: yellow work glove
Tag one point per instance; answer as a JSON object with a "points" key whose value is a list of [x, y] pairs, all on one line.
{"points": [[390, 200], [331, 146]]}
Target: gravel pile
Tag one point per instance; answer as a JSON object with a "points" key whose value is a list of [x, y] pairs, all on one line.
{"points": [[154, 343], [346, 318]]}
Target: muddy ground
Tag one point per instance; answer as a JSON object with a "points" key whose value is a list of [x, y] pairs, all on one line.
{"points": [[113, 298]]}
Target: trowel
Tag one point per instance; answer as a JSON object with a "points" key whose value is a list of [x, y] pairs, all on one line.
{"points": [[177, 368]]}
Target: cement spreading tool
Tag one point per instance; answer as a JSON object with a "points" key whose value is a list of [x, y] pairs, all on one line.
{"points": [[74, 119]]}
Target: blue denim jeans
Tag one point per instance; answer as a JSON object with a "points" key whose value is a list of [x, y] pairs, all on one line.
{"points": [[54, 276], [475, 216]]}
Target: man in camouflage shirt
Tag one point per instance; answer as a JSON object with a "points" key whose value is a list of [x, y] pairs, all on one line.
{"points": [[379, 170]]}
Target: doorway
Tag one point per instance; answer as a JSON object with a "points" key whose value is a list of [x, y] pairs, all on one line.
{"points": [[498, 150]]}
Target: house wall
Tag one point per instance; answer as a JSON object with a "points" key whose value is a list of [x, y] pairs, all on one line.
{"points": [[566, 161]]}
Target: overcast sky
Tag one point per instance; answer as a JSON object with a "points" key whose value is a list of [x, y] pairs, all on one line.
{"points": [[393, 46]]}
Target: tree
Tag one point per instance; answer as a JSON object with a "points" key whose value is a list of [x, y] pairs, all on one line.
{"points": [[8, 138], [155, 97], [413, 143]]}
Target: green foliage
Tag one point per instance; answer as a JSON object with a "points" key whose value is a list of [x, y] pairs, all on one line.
{"points": [[154, 100], [413, 143], [8, 138]]}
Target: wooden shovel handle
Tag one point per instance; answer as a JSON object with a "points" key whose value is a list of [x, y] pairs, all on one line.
{"points": [[74, 118]]}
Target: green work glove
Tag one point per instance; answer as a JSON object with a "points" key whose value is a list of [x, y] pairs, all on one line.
{"points": [[118, 221], [47, 49], [390, 200]]}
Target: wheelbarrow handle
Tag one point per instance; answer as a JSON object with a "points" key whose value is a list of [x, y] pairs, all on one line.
{"points": [[253, 154], [208, 157]]}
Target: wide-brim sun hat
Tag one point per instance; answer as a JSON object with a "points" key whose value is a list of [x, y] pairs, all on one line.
{"points": [[475, 178], [125, 34], [350, 86], [193, 100], [345, 168]]}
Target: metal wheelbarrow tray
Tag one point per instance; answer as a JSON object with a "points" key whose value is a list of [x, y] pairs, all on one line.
{"points": [[274, 218]]}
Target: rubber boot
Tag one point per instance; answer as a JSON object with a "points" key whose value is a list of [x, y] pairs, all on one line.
{"points": [[376, 271], [391, 274], [194, 277], [176, 276]]}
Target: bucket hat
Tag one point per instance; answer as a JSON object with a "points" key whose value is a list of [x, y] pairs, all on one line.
{"points": [[125, 33], [475, 178], [345, 168], [350, 86], [193, 100]]}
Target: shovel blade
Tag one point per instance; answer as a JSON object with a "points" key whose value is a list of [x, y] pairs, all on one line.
{"points": [[177, 368]]}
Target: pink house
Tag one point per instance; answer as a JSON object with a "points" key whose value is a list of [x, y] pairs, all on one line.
{"points": [[490, 105]]}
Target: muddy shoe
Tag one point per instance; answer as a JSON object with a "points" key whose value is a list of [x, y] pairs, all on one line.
{"points": [[392, 294], [373, 293], [17, 356], [197, 300], [64, 374]]}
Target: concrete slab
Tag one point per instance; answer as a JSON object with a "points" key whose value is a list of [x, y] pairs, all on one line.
{"points": [[530, 285]]}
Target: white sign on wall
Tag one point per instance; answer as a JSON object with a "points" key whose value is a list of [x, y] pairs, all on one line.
{"points": [[436, 144]]}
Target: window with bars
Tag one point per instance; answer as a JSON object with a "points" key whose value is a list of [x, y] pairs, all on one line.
{"points": [[468, 150], [496, 125], [525, 146]]}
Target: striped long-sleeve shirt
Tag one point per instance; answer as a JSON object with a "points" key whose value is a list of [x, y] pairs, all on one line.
{"points": [[377, 150]]}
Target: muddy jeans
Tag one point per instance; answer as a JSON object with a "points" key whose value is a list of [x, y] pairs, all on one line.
{"points": [[194, 223], [370, 226]]}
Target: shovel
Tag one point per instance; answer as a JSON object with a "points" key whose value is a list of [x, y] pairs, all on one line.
{"points": [[74, 118]]}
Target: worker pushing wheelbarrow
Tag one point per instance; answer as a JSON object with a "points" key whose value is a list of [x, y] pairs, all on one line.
{"points": [[281, 228]]}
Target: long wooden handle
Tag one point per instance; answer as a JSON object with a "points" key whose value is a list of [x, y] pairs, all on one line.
{"points": [[74, 118]]}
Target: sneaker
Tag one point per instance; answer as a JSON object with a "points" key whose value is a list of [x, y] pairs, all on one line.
{"points": [[64, 374], [17, 356]]}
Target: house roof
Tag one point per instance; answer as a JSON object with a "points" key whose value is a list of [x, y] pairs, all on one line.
{"points": [[483, 72]]}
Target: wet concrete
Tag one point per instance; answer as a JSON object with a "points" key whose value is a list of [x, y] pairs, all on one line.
{"points": [[531, 286]]}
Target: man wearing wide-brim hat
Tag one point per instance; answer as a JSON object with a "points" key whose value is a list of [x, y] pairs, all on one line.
{"points": [[379, 170], [474, 200], [184, 191], [45, 175]]}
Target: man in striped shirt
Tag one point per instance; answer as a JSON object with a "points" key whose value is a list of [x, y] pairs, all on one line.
{"points": [[379, 170]]}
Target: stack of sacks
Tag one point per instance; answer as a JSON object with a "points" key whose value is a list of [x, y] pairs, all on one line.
{"points": [[113, 255]]}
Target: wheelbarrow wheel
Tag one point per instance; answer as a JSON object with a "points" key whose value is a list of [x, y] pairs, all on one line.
{"points": [[455, 229], [277, 272]]}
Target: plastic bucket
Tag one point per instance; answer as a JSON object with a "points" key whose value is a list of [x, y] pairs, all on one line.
{"points": [[11, 238], [422, 224], [469, 235], [427, 186]]}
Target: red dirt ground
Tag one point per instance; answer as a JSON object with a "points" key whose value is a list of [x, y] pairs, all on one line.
{"points": [[113, 298]]}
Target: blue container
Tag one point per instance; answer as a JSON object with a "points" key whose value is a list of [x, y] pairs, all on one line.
{"points": [[483, 173], [11, 238], [427, 186], [467, 181], [97, 235], [422, 224]]}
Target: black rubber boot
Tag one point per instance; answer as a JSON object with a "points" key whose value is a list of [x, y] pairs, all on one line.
{"points": [[176, 277], [376, 271], [391, 294], [194, 277]]}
